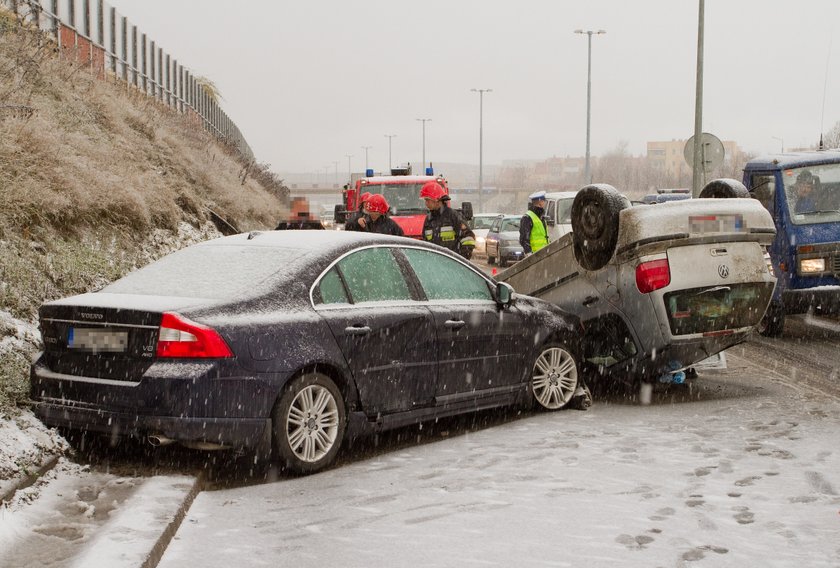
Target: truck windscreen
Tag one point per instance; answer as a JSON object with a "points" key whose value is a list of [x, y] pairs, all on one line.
{"points": [[404, 198], [813, 193]]}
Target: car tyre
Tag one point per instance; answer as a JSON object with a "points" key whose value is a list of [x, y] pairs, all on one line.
{"points": [[503, 262], [595, 213], [773, 322], [309, 423], [554, 377], [724, 188]]}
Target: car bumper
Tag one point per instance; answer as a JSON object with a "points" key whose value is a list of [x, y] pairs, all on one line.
{"points": [[511, 253], [824, 298], [229, 432]]}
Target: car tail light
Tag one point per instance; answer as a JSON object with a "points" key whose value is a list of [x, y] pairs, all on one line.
{"points": [[180, 337], [653, 275]]}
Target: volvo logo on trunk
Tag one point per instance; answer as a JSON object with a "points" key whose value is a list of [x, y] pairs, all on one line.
{"points": [[91, 315], [723, 271]]}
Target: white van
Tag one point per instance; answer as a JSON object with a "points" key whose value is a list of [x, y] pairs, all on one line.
{"points": [[558, 213]]}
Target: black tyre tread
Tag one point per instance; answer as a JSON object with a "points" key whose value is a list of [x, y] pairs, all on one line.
{"points": [[724, 188], [594, 244]]}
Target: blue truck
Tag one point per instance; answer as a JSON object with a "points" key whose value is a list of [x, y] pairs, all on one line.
{"points": [[801, 190]]}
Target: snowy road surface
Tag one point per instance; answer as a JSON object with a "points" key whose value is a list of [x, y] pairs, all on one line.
{"points": [[743, 472]]}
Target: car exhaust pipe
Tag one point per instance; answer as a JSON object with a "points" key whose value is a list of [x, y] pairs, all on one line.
{"points": [[158, 440]]}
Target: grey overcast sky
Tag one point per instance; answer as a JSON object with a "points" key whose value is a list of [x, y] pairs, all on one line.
{"points": [[311, 81]]}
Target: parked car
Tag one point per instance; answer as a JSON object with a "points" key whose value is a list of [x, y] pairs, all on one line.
{"points": [[284, 335], [502, 243], [480, 224], [658, 288]]}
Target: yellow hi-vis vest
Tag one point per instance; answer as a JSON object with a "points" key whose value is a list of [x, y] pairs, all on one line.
{"points": [[539, 238]]}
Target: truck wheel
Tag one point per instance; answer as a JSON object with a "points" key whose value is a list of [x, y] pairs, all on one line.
{"points": [[595, 212], [724, 188], [773, 322], [309, 423]]}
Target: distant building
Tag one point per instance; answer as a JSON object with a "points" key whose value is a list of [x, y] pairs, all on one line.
{"points": [[669, 156]]}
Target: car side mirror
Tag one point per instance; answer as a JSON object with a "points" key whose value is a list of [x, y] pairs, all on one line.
{"points": [[504, 294], [549, 221]]}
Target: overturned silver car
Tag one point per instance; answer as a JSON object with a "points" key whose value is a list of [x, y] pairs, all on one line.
{"points": [[658, 287]]}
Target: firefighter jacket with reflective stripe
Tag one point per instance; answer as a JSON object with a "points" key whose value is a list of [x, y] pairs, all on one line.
{"points": [[445, 227], [533, 234]]}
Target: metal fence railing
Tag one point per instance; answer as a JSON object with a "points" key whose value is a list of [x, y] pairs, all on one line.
{"points": [[94, 33]]}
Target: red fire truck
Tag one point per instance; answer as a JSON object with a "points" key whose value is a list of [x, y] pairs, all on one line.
{"points": [[402, 191]]}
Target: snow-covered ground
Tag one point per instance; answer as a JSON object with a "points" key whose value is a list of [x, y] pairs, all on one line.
{"points": [[745, 472]]}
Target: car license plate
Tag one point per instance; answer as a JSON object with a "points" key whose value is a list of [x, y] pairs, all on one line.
{"points": [[716, 224], [97, 339]]}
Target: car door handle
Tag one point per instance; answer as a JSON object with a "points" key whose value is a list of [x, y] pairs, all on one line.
{"points": [[455, 324], [357, 330], [589, 300]]}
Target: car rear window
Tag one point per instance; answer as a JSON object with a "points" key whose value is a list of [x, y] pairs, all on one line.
{"points": [[700, 310], [218, 272]]}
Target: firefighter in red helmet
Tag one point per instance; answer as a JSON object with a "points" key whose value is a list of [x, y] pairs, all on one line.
{"points": [[356, 222], [378, 220], [443, 225]]}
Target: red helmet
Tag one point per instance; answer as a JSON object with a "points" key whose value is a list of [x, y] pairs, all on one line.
{"points": [[364, 197], [432, 190], [377, 204]]}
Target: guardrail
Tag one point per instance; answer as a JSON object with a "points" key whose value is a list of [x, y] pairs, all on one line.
{"points": [[93, 32]]}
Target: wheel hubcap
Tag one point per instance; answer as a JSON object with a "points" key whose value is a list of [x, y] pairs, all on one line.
{"points": [[312, 423], [555, 378]]}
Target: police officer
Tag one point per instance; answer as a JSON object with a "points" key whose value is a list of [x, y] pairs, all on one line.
{"points": [[533, 232], [443, 225], [377, 217], [356, 222]]}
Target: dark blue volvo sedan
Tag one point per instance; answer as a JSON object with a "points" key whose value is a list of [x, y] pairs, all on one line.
{"points": [[296, 341]]}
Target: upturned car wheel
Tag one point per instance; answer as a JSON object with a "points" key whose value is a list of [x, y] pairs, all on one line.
{"points": [[724, 188], [309, 423], [595, 213], [554, 378]]}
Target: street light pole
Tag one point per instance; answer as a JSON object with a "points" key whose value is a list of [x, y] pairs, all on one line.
{"points": [[480, 142], [782, 140], [336, 171], [366, 148], [697, 169], [589, 33], [349, 169], [424, 121], [389, 136]]}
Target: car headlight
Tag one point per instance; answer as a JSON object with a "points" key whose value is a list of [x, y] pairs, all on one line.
{"points": [[811, 265]]}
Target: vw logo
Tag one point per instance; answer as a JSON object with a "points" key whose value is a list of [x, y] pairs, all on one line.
{"points": [[723, 271]]}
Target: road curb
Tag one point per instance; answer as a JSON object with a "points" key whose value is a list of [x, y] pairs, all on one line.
{"points": [[8, 488], [156, 553]]}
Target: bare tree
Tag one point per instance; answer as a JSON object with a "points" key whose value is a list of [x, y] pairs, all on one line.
{"points": [[831, 139]]}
